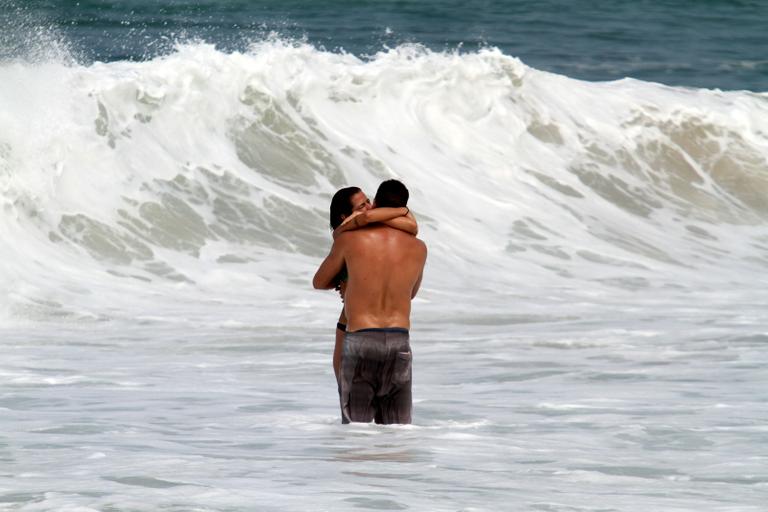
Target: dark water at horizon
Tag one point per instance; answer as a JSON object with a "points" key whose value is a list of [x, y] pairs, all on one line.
{"points": [[712, 44]]}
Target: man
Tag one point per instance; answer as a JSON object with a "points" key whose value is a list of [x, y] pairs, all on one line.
{"points": [[385, 267]]}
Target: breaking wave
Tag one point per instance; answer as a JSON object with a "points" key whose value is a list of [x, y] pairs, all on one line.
{"points": [[205, 175]]}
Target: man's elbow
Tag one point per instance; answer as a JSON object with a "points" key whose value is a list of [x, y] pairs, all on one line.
{"points": [[317, 283]]}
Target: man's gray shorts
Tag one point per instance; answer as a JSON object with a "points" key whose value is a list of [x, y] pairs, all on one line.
{"points": [[376, 376]]}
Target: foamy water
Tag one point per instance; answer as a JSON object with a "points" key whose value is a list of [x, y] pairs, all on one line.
{"points": [[590, 334]]}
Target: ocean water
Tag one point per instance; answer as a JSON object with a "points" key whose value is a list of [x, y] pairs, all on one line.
{"points": [[591, 331], [712, 43]]}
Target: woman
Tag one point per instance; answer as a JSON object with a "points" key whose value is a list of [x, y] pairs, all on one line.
{"points": [[351, 209]]}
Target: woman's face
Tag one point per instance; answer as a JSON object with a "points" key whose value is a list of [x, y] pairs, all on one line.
{"points": [[360, 202]]}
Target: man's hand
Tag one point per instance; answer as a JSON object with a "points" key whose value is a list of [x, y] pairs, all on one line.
{"points": [[342, 289]]}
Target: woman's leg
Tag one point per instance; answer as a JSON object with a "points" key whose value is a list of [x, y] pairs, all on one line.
{"points": [[338, 348]]}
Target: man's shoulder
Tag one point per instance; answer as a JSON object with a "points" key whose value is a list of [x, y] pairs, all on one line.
{"points": [[343, 239], [354, 236], [407, 240]]}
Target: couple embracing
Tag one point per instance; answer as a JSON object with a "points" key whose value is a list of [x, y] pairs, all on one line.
{"points": [[376, 262]]}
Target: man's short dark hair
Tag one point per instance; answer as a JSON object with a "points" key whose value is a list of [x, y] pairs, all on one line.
{"points": [[391, 194]]}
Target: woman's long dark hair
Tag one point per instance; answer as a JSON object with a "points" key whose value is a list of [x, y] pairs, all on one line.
{"points": [[341, 205]]}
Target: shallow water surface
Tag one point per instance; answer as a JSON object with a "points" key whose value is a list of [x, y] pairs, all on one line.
{"points": [[546, 416]]}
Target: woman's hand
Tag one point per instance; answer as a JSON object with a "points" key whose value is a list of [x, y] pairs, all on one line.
{"points": [[348, 223]]}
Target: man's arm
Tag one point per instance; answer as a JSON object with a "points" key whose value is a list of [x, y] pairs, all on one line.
{"points": [[330, 267], [417, 285], [398, 218]]}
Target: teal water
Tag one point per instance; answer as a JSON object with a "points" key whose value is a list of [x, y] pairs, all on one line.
{"points": [[712, 44]]}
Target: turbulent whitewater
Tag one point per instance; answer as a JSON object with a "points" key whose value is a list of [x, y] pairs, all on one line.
{"points": [[204, 174]]}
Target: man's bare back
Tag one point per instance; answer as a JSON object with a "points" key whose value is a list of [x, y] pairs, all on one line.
{"points": [[385, 267]]}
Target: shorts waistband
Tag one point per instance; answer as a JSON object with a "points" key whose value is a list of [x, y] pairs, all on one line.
{"points": [[381, 329]]}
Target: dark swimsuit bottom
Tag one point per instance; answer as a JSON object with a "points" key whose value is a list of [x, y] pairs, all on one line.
{"points": [[343, 327], [375, 378]]}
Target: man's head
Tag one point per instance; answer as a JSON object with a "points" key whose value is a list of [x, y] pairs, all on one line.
{"points": [[391, 194], [345, 201]]}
